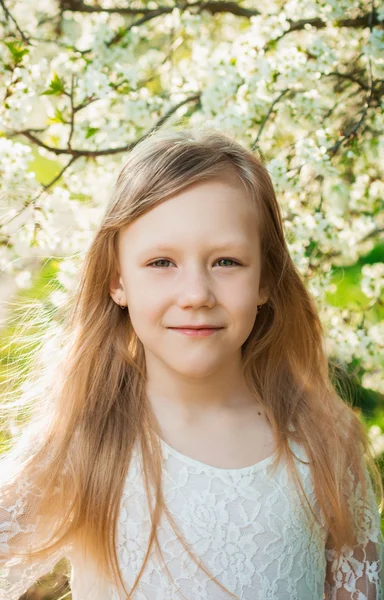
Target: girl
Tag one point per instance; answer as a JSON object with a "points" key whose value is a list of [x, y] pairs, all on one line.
{"points": [[190, 443]]}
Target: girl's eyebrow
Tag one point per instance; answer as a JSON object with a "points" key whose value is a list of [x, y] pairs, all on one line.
{"points": [[233, 244]]}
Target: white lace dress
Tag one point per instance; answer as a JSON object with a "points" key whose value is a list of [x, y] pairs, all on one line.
{"points": [[245, 524]]}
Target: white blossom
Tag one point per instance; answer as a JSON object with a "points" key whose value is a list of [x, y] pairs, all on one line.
{"points": [[372, 282]]}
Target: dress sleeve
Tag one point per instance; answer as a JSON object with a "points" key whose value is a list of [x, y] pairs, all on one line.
{"points": [[358, 574], [16, 530]]}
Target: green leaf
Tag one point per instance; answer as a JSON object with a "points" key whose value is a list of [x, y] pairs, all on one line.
{"points": [[17, 50], [91, 131], [271, 45], [58, 118], [56, 86]]}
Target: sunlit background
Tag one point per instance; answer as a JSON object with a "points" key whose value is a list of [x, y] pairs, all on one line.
{"points": [[299, 81]]}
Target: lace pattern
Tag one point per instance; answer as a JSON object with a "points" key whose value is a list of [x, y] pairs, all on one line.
{"points": [[246, 525]]}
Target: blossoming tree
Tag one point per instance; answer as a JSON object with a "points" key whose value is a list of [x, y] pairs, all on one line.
{"points": [[300, 81]]}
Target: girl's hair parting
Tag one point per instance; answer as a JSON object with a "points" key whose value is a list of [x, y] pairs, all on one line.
{"points": [[88, 406]]}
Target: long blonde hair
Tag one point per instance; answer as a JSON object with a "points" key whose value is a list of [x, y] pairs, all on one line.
{"points": [[95, 406]]}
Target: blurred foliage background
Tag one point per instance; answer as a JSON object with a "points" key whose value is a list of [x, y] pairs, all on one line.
{"points": [[301, 82]]}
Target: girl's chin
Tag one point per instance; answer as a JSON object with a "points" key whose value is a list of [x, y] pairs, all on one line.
{"points": [[195, 371]]}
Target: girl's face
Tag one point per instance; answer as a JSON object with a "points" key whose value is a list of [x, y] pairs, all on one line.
{"points": [[194, 259]]}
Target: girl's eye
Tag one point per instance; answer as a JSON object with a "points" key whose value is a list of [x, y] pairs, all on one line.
{"points": [[230, 260], [165, 260], [157, 261]]}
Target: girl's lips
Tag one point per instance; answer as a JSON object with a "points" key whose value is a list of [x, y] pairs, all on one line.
{"points": [[196, 332]]}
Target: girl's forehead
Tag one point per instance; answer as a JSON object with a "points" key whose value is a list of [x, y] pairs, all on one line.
{"points": [[205, 205], [203, 199], [217, 219]]}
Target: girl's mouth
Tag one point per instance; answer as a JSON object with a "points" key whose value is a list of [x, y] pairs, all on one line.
{"points": [[204, 332]]}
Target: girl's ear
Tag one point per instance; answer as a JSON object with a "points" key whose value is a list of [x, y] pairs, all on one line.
{"points": [[263, 295], [116, 290]]}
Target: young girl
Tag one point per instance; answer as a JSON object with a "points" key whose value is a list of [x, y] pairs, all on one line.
{"points": [[190, 443]]}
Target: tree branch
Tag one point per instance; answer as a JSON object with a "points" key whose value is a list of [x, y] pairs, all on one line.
{"points": [[349, 76], [11, 18], [210, 6], [357, 23], [216, 7], [75, 153], [352, 130], [256, 142], [44, 188]]}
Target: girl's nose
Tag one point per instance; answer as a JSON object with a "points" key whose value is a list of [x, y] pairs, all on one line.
{"points": [[195, 289]]}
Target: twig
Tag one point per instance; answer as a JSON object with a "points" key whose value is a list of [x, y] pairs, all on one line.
{"points": [[44, 188], [108, 151], [73, 83], [75, 154], [352, 130], [256, 142], [9, 16], [317, 23], [348, 76]]}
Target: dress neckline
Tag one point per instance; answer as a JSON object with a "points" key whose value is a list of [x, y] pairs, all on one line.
{"points": [[261, 464]]}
